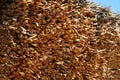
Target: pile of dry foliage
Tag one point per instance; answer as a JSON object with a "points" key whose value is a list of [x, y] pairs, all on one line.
{"points": [[58, 40]]}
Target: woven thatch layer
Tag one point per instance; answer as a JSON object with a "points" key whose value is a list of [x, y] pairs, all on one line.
{"points": [[59, 40]]}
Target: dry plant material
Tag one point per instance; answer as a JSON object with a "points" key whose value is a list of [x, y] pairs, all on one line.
{"points": [[59, 40]]}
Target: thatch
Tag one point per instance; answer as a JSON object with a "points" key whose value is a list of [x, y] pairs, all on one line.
{"points": [[58, 40]]}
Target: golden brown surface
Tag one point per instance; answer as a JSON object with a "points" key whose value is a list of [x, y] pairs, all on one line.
{"points": [[59, 40]]}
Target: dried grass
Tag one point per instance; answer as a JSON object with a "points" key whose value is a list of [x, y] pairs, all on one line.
{"points": [[59, 40]]}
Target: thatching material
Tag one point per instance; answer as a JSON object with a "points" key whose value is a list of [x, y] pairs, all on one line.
{"points": [[59, 40]]}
